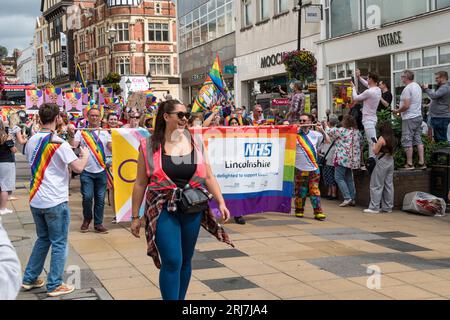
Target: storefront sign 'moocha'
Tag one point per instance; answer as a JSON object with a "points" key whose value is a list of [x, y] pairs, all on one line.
{"points": [[273, 60]]}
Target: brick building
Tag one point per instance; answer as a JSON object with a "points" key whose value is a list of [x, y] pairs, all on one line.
{"points": [[144, 46]]}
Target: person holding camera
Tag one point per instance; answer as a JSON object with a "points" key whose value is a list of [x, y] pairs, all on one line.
{"points": [[175, 176]]}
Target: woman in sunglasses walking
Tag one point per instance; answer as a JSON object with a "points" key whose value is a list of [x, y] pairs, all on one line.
{"points": [[172, 164]]}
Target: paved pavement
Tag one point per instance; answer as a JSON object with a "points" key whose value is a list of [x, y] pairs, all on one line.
{"points": [[276, 256]]}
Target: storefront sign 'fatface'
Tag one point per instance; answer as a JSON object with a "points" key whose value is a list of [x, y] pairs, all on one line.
{"points": [[390, 39]]}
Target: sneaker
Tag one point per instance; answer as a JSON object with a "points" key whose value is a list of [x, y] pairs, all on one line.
{"points": [[85, 225], [370, 211], [114, 221], [5, 211], [346, 203], [239, 220], [422, 166], [100, 229], [299, 214], [320, 216], [62, 289], [39, 283], [408, 167], [386, 211]]}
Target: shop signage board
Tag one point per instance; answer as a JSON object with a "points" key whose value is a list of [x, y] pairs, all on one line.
{"points": [[272, 60], [230, 69], [390, 39], [313, 14], [280, 102]]}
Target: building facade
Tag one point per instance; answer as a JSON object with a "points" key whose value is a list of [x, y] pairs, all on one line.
{"points": [[144, 47], [62, 17], [42, 50], [265, 29], [206, 28], [26, 65], [383, 36]]}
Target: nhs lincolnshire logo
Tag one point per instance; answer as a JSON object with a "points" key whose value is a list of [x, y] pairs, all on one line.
{"points": [[257, 150]]}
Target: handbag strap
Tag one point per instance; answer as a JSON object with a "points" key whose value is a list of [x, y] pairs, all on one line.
{"points": [[329, 149]]}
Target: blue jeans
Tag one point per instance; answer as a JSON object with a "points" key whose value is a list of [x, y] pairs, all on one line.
{"points": [[440, 126], [93, 190], [176, 236], [344, 180], [52, 226]]}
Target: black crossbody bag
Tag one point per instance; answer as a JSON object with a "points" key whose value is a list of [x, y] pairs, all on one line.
{"points": [[192, 200]]}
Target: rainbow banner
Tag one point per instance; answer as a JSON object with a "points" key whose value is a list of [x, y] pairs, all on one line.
{"points": [[217, 78], [84, 92], [253, 165], [207, 97], [54, 95], [33, 100], [105, 95], [125, 148], [73, 102]]}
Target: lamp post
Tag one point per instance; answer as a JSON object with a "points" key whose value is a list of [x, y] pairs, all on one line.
{"points": [[128, 83], [112, 33], [299, 40]]}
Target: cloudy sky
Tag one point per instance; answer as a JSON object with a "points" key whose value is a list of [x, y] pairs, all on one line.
{"points": [[17, 22]]}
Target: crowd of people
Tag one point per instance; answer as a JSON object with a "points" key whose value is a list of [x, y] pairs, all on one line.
{"points": [[59, 146]]}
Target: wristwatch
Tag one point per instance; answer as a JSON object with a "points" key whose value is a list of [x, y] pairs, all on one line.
{"points": [[134, 218]]}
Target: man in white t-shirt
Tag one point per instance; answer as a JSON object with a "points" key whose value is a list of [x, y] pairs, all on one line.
{"points": [[93, 179], [371, 99], [411, 112], [50, 157], [307, 172]]}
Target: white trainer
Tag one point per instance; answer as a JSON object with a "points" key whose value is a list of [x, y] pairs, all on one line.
{"points": [[371, 211]]}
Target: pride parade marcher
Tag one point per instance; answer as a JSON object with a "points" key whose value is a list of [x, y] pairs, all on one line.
{"points": [[170, 165], [50, 157], [93, 179], [307, 172]]}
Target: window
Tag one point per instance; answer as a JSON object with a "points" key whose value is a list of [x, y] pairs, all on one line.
{"points": [[400, 61], [282, 5], [158, 32], [340, 71], [160, 65], [332, 73], [415, 59], [211, 30], [101, 36], [247, 13], [123, 66], [429, 57], [220, 26], [444, 54], [157, 8], [101, 69], [344, 17], [204, 33], [82, 43], [264, 9], [442, 4], [122, 32], [398, 9]]}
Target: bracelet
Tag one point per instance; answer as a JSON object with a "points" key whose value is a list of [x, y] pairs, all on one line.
{"points": [[134, 218]]}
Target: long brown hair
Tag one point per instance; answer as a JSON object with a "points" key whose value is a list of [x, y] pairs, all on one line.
{"points": [[3, 134], [388, 135], [158, 136]]}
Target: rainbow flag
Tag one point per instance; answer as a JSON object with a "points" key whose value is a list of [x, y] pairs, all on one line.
{"points": [[217, 78], [308, 149], [254, 166], [206, 97], [40, 163], [95, 146]]}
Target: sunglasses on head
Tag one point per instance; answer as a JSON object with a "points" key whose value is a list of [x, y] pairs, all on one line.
{"points": [[181, 114]]}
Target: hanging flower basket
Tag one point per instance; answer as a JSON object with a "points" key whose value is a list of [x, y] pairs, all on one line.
{"points": [[300, 65]]}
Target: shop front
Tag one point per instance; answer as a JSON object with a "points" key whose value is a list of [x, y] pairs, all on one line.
{"points": [[421, 45], [262, 79]]}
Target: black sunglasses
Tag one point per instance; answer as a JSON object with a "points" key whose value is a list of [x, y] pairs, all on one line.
{"points": [[181, 114]]}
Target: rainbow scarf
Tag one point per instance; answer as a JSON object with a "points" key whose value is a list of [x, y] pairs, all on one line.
{"points": [[308, 148], [96, 147], [40, 163]]}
